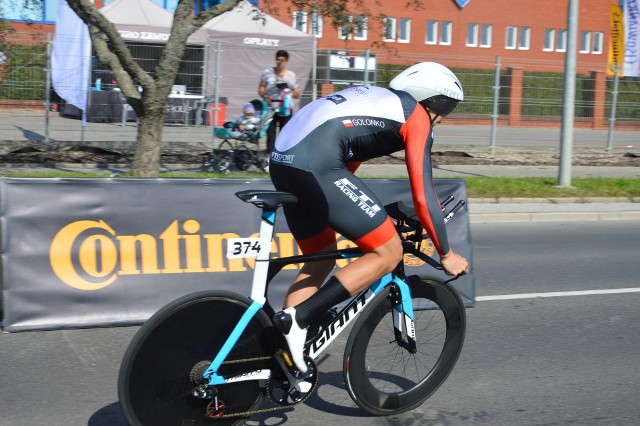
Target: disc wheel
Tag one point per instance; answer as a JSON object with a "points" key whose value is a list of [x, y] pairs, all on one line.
{"points": [[155, 384], [382, 376]]}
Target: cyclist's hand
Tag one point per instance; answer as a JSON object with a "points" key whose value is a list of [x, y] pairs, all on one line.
{"points": [[454, 264]]}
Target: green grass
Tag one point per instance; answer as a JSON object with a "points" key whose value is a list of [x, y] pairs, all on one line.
{"points": [[477, 187], [483, 187]]}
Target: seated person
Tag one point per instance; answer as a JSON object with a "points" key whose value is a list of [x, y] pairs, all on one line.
{"points": [[246, 125]]}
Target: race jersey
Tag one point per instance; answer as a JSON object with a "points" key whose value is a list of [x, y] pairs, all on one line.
{"points": [[361, 123]]}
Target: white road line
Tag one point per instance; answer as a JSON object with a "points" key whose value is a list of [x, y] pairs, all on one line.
{"points": [[557, 294]]}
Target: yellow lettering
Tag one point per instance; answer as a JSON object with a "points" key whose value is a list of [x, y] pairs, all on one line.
{"points": [[193, 246], [171, 249], [98, 246], [61, 260], [129, 255]]}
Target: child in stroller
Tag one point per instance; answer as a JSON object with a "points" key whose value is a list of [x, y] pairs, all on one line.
{"points": [[246, 126], [240, 145]]}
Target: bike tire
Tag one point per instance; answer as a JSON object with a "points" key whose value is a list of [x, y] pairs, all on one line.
{"points": [[382, 377], [154, 386]]}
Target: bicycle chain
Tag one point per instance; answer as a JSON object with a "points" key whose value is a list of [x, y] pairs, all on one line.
{"points": [[264, 410]]}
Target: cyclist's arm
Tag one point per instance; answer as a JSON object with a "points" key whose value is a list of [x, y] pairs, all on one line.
{"points": [[418, 139]]}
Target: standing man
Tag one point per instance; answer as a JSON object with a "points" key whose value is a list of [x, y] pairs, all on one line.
{"points": [[277, 87]]}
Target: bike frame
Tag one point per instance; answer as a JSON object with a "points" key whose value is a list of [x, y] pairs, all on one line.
{"points": [[266, 268]]}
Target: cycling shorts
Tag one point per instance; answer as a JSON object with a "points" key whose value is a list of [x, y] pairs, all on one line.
{"points": [[331, 200]]}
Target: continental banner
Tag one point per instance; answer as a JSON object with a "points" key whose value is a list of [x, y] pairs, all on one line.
{"points": [[110, 252]]}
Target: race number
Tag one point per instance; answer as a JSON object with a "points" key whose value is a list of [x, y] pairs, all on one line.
{"points": [[242, 247]]}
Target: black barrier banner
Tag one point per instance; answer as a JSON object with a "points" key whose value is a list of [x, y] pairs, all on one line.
{"points": [[106, 252]]}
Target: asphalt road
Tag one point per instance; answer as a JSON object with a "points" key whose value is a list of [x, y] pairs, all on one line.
{"points": [[570, 359]]}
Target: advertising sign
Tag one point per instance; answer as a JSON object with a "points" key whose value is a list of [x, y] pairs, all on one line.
{"points": [[106, 252]]}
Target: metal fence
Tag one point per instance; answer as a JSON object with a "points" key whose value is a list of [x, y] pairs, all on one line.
{"points": [[488, 84]]}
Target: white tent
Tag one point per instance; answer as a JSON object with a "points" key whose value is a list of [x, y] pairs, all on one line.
{"points": [[238, 46], [140, 20], [248, 46]]}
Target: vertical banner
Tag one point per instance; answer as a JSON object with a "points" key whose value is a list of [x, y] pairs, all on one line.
{"points": [[107, 252], [71, 57], [616, 44], [631, 42]]}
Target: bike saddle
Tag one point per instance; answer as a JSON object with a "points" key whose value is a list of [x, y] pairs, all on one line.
{"points": [[270, 200]]}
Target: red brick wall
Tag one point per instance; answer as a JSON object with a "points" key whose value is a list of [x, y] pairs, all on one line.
{"points": [[538, 15]]}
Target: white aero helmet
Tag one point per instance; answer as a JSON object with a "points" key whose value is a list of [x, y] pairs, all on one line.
{"points": [[433, 85]]}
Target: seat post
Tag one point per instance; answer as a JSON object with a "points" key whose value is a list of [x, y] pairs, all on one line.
{"points": [[260, 273]]}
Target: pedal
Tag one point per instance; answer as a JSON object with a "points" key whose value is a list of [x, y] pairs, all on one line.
{"points": [[295, 386]]}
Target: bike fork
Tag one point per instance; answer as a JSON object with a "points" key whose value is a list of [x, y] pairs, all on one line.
{"points": [[403, 317]]}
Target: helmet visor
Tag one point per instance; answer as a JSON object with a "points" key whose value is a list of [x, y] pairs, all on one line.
{"points": [[441, 105]]}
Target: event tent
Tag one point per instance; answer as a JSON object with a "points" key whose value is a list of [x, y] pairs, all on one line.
{"points": [[238, 46], [248, 46]]}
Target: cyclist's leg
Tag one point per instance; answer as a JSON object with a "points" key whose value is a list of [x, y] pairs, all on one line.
{"points": [[333, 199]]}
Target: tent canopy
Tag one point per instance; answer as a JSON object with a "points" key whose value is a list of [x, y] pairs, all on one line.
{"points": [[247, 47], [140, 20], [239, 45]]}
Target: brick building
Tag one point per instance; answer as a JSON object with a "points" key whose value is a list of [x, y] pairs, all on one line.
{"points": [[534, 32]]}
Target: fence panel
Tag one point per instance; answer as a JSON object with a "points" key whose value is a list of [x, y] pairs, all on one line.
{"points": [[24, 74]]}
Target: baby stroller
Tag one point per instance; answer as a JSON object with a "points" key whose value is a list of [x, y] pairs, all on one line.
{"points": [[239, 150]]}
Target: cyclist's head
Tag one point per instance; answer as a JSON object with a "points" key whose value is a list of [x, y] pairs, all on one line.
{"points": [[434, 86]]}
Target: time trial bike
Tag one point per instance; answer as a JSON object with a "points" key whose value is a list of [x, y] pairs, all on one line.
{"points": [[215, 358]]}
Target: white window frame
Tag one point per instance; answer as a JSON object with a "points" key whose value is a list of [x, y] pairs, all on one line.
{"points": [[511, 38], [472, 35], [404, 27], [315, 27], [299, 21], [585, 42], [446, 33], [389, 29], [486, 35], [561, 43], [525, 38], [598, 43], [342, 28], [360, 31], [549, 40], [431, 36]]}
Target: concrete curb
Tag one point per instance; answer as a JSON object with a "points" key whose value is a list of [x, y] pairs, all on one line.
{"points": [[553, 217]]}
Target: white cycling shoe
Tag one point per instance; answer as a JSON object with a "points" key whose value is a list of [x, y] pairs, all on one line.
{"points": [[295, 335]]}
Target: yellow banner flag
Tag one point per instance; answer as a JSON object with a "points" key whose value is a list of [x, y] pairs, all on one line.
{"points": [[616, 44]]}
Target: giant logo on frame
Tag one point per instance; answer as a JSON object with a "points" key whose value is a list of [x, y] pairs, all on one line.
{"points": [[462, 3]]}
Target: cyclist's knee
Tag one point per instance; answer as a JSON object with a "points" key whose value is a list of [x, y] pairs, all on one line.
{"points": [[392, 253]]}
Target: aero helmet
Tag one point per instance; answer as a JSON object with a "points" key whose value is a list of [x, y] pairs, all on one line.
{"points": [[433, 85]]}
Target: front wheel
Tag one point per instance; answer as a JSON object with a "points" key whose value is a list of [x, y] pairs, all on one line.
{"points": [[384, 375], [155, 384]]}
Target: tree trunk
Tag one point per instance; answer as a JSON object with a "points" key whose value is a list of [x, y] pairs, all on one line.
{"points": [[146, 159]]}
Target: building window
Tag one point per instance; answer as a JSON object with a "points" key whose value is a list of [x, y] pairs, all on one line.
{"points": [[549, 39], [525, 38], [404, 35], [300, 21], [316, 24], [445, 34], [472, 35], [485, 39], [389, 29], [360, 30], [562, 41], [511, 38], [585, 42], [598, 41], [344, 32], [432, 32]]}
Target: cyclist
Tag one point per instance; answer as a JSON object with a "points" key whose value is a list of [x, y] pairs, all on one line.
{"points": [[315, 157]]}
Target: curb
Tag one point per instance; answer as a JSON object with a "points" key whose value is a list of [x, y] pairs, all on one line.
{"points": [[553, 217]]}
